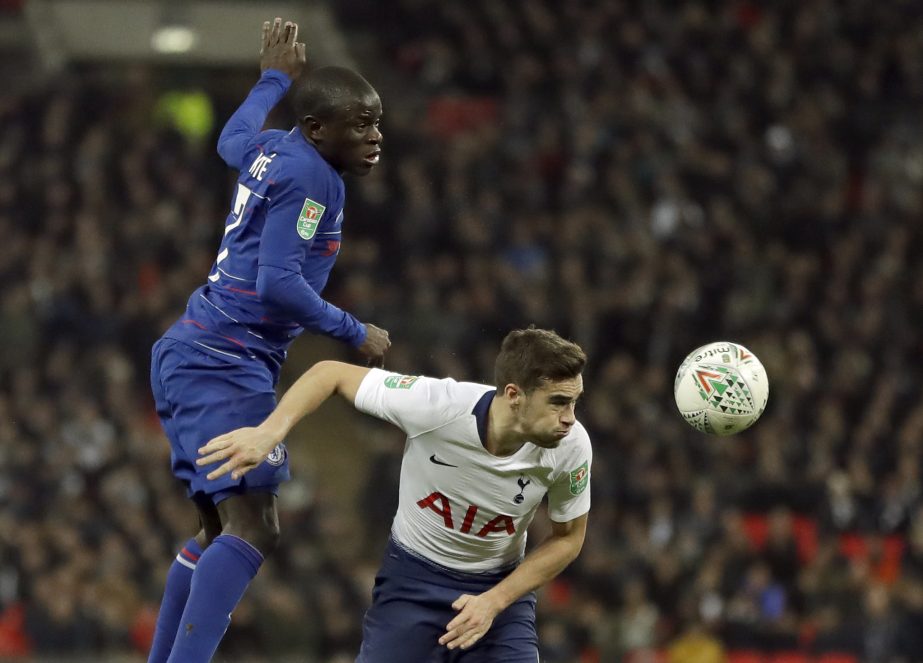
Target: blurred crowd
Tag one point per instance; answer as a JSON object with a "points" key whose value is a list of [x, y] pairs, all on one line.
{"points": [[643, 177]]}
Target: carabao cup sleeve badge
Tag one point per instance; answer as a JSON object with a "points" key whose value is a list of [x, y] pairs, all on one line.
{"points": [[309, 218], [579, 479]]}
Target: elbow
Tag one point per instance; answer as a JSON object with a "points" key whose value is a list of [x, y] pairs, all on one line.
{"points": [[225, 150], [330, 373], [574, 546], [326, 366], [230, 148]]}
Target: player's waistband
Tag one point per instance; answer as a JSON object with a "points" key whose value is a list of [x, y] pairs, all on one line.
{"points": [[400, 553]]}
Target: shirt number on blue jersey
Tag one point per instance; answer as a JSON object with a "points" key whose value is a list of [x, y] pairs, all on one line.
{"points": [[240, 204]]}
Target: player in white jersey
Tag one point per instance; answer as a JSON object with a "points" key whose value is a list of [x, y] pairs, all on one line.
{"points": [[455, 584]]}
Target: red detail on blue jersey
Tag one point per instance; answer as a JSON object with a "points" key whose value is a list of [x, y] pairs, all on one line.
{"points": [[192, 557], [244, 292]]}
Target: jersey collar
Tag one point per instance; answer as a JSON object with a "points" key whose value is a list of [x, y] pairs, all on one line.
{"points": [[480, 411]]}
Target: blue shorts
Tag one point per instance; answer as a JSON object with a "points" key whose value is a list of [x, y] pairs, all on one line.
{"points": [[412, 604], [198, 397]]}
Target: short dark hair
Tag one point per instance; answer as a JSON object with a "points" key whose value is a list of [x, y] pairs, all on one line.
{"points": [[325, 90], [529, 357]]}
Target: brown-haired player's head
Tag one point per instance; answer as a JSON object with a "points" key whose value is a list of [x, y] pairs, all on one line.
{"points": [[530, 357], [539, 376]]}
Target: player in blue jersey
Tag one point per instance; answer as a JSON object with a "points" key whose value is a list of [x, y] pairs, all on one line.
{"points": [[217, 367]]}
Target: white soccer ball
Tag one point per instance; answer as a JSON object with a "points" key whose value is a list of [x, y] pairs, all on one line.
{"points": [[721, 388]]}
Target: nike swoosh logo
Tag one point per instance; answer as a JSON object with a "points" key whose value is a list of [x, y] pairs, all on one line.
{"points": [[435, 460]]}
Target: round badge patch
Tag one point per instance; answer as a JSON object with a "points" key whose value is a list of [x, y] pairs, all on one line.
{"points": [[276, 456]]}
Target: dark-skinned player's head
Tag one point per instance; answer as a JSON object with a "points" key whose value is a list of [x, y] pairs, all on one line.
{"points": [[339, 111]]}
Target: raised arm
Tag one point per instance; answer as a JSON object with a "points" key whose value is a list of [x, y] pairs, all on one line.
{"points": [[245, 448], [282, 58]]}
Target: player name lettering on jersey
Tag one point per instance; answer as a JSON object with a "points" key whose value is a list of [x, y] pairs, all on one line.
{"points": [[260, 164], [441, 505]]}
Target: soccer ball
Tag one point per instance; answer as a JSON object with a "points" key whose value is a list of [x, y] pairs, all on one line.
{"points": [[721, 388]]}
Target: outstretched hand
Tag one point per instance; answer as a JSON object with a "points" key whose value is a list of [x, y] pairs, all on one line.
{"points": [[243, 449], [280, 48]]}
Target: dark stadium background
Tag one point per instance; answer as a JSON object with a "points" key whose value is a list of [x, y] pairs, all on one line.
{"points": [[642, 176]]}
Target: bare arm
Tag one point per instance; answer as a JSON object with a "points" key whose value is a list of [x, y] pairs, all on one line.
{"points": [[476, 613], [245, 448]]}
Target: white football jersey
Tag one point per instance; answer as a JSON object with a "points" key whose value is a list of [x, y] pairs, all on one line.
{"points": [[461, 506]]}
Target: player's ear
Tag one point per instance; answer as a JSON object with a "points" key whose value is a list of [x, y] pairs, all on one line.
{"points": [[513, 393], [312, 128]]}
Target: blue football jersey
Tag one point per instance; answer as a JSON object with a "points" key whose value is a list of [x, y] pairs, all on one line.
{"points": [[281, 239]]}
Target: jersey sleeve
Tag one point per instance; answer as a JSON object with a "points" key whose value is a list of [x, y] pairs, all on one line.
{"points": [[569, 495], [415, 404], [291, 296], [248, 119], [285, 241], [292, 216]]}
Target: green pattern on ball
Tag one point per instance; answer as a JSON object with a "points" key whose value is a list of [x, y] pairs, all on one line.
{"points": [[726, 391]]}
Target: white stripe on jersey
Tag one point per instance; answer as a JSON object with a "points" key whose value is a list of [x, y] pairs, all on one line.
{"points": [[231, 276], [218, 308], [229, 354], [185, 562]]}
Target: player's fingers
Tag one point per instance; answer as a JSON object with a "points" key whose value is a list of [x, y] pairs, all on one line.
{"points": [[471, 638], [214, 457], [463, 639], [244, 465], [264, 36], [293, 34], [213, 445], [221, 471], [461, 601], [455, 628], [216, 443], [452, 627], [276, 30], [299, 52]]}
